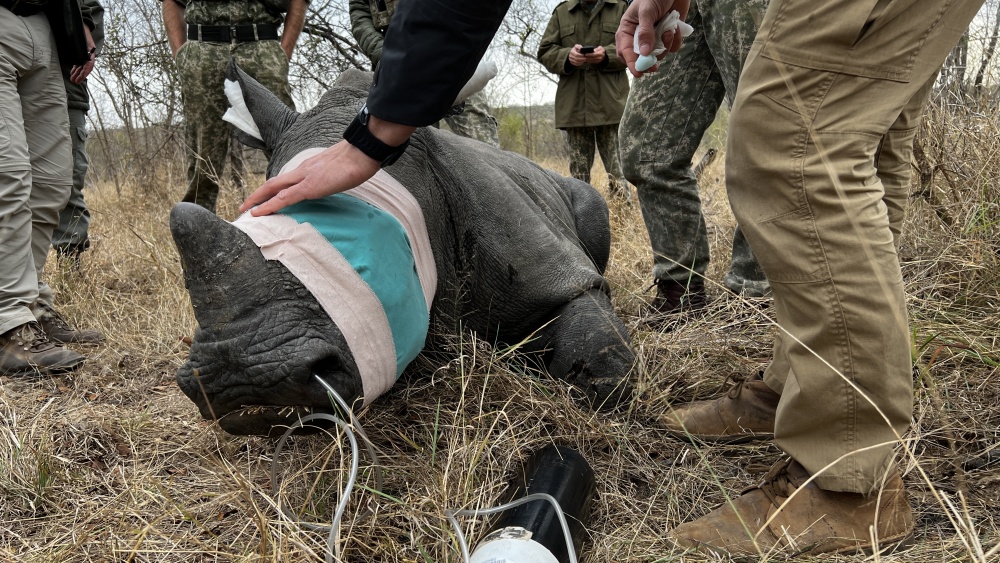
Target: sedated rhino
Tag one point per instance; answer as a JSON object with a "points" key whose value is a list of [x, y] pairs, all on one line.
{"points": [[495, 244]]}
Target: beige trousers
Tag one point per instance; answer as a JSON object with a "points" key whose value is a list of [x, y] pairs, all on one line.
{"points": [[824, 83], [35, 161]]}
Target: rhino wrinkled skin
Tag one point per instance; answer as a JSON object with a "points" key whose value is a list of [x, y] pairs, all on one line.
{"points": [[518, 250]]}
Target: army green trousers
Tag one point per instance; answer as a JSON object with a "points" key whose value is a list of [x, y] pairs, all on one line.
{"points": [[34, 161], [667, 114], [71, 234], [201, 68], [824, 84]]}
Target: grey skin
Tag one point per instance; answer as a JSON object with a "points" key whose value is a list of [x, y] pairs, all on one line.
{"points": [[519, 251]]}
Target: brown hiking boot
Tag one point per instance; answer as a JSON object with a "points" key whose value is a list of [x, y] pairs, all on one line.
{"points": [[767, 519], [27, 350], [58, 329], [745, 413]]}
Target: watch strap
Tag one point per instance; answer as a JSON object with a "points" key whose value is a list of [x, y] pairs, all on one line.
{"points": [[357, 134]]}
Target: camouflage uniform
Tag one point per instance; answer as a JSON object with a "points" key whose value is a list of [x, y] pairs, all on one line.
{"points": [[70, 237], [201, 67], [369, 20], [582, 141], [665, 118]]}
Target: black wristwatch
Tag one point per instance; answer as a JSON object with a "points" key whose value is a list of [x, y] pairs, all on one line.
{"points": [[357, 134]]}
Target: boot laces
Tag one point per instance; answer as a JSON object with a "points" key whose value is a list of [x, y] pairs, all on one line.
{"points": [[32, 338], [54, 317], [733, 385], [777, 483]]}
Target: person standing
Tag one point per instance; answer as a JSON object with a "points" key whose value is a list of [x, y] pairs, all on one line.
{"points": [[71, 237], [665, 119], [823, 87], [579, 46], [204, 35], [35, 175], [369, 21]]}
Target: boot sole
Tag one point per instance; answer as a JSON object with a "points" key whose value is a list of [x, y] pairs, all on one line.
{"points": [[83, 342], [44, 370], [888, 546], [722, 440]]}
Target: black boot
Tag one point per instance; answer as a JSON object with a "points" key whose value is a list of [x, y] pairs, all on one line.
{"points": [[675, 301]]}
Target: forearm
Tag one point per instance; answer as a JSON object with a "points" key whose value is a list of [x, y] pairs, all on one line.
{"points": [[97, 15], [173, 21], [295, 19], [363, 29], [453, 36]]}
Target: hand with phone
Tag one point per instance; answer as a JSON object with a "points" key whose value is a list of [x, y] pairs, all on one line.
{"points": [[580, 55]]}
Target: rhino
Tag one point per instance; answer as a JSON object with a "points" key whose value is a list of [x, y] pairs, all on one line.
{"points": [[498, 245]]}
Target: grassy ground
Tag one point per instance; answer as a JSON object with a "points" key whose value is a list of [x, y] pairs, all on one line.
{"points": [[114, 464]]}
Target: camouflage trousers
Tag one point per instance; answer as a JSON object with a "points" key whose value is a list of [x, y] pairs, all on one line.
{"points": [[71, 235], [582, 141], [475, 121], [201, 68], [665, 119]]}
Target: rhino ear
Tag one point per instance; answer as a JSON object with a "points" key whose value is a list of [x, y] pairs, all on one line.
{"points": [[260, 117]]}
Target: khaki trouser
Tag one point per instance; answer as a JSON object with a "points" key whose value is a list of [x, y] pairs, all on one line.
{"points": [[824, 83], [35, 161]]}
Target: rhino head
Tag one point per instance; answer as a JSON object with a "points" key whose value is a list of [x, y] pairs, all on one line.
{"points": [[262, 337]]}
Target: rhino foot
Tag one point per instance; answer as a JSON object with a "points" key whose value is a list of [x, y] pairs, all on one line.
{"points": [[587, 345]]}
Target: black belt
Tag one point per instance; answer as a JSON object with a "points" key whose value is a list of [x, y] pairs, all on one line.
{"points": [[22, 9], [228, 33]]}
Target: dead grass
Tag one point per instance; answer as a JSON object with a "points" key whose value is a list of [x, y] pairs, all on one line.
{"points": [[114, 464]]}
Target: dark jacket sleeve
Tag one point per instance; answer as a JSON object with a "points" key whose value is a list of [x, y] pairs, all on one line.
{"points": [[363, 28], [431, 50], [93, 16]]}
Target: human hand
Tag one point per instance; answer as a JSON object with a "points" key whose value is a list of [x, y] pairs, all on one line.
{"points": [[597, 57], [576, 58], [336, 169], [79, 73], [640, 19]]}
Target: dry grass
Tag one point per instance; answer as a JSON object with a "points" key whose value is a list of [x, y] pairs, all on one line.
{"points": [[114, 464]]}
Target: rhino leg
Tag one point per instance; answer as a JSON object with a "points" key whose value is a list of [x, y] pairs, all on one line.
{"points": [[261, 335], [593, 226], [587, 345]]}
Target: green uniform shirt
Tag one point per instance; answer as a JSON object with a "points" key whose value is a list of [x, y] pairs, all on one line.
{"points": [[593, 95]]}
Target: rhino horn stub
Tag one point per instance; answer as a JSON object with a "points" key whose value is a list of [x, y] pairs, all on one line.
{"points": [[218, 259], [268, 113]]}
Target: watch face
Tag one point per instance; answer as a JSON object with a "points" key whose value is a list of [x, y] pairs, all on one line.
{"points": [[363, 115]]}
